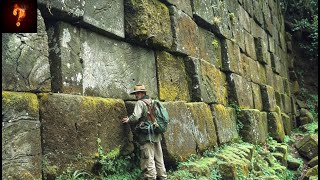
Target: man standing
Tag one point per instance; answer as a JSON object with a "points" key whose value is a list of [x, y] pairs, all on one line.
{"points": [[151, 162]]}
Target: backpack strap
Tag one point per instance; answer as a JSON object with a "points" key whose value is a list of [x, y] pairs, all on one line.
{"points": [[150, 115]]}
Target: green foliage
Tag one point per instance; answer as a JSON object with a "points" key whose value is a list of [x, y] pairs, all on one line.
{"points": [[215, 174], [181, 174], [238, 110], [114, 166], [215, 44], [73, 175], [303, 15]]}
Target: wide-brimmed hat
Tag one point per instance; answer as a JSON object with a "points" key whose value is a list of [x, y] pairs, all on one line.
{"points": [[139, 88]]}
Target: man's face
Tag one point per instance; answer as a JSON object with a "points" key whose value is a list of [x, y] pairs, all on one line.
{"points": [[139, 95]]}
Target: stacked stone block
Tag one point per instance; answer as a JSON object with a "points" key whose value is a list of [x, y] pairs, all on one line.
{"points": [[200, 57]]}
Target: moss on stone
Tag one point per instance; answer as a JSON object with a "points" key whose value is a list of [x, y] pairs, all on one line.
{"points": [[23, 99]]}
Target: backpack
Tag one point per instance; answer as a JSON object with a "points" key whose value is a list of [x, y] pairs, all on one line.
{"points": [[158, 115]]}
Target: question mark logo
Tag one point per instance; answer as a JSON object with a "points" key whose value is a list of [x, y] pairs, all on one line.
{"points": [[20, 12]]}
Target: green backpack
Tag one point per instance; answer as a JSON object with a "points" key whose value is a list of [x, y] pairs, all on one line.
{"points": [[158, 114]]}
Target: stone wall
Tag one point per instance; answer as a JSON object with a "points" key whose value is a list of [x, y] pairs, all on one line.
{"points": [[68, 85]]}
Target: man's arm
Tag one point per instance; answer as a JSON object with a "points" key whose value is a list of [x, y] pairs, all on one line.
{"points": [[136, 115]]}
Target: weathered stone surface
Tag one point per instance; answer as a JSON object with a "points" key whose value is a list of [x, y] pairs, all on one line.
{"points": [[293, 164], [232, 170], [184, 5], [257, 99], [287, 123], [245, 66], [21, 139], [66, 67], [307, 147], [148, 22], [279, 101], [250, 46], [208, 84], [275, 126], [25, 64], [225, 122], [203, 11], [268, 98], [204, 131], [112, 68], [305, 117], [313, 162], [178, 141], [104, 17], [275, 63], [271, 44], [311, 174], [278, 83], [107, 16], [185, 33], [269, 75], [257, 11], [286, 86], [221, 19], [247, 4], [70, 128], [172, 77], [240, 91], [286, 103], [258, 76], [230, 57], [261, 50], [267, 17], [255, 128], [245, 19], [62, 9], [210, 47]]}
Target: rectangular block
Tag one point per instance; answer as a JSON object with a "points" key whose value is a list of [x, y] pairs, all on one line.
{"points": [[257, 99], [21, 138], [225, 121], [230, 57], [185, 33], [207, 83], [25, 64], [111, 68], [240, 91], [268, 98], [172, 77]]}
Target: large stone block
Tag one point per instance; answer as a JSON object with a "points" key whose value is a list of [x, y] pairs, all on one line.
{"points": [[268, 98], [204, 130], [250, 45], [269, 75], [245, 66], [62, 9], [111, 68], [257, 11], [106, 16], [203, 12], [208, 84], [271, 44], [255, 128], [278, 83], [221, 23], [66, 66], [245, 19], [247, 4], [240, 91], [275, 63], [286, 103], [261, 50], [230, 56], [308, 146], [21, 139], [257, 98], [179, 141], [267, 17], [210, 48], [185, 33], [275, 126], [101, 16], [225, 122], [71, 126], [148, 22], [172, 77], [287, 123], [25, 64], [184, 5]]}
